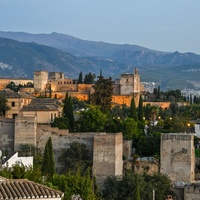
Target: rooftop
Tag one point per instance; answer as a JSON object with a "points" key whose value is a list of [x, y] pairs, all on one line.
{"points": [[42, 104], [25, 189], [8, 93]]}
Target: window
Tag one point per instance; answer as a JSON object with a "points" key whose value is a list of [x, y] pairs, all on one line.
{"points": [[14, 115], [51, 117], [13, 104]]}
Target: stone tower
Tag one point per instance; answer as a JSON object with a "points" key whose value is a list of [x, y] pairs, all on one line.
{"points": [[25, 131], [107, 156], [56, 75], [130, 83], [177, 156], [136, 82], [40, 80]]}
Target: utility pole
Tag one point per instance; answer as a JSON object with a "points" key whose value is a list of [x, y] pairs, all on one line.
{"points": [[153, 194]]}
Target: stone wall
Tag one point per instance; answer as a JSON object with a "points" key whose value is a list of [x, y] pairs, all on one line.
{"points": [[107, 156], [127, 149], [61, 139], [25, 131], [147, 167], [107, 149], [178, 156], [192, 192], [7, 134]]}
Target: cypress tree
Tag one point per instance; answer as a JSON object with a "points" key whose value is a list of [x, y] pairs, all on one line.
{"points": [[133, 110], [3, 105], [48, 167], [140, 109], [80, 78], [68, 112], [137, 192]]}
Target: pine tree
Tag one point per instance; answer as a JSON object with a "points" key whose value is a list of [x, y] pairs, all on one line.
{"points": [[140, 110], [133, 110], [48, 167], [68, 112], [80, 78], [102, 95]]}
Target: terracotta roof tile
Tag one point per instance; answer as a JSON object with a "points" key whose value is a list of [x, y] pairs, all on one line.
{"points": [[8, 93], [24, 189], [42, 104]]}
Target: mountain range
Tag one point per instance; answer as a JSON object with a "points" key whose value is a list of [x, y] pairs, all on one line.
{"points": [[22, 53]]}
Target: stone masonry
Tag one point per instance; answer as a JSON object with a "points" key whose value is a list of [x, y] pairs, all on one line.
{"points": [[178, 156], [107, 156]]}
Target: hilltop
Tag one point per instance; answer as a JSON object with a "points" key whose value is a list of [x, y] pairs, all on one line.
{"points": [[58, 52]]}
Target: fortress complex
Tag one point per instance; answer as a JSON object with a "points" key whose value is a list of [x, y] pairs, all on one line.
{"points": [[125, 88], [5, 81]]}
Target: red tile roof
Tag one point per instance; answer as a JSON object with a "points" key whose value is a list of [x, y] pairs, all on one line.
{"points": [[24, 189]]}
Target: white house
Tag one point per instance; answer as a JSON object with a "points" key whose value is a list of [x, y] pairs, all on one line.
{"points": [[13, 159]]}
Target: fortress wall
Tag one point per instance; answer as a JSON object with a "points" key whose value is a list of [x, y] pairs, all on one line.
{"points": [[25, 131], [61, 139], [119, 99], [107, 155], [67, 87], [84, 87], [192, 192], [177, 156], [7, 134]]}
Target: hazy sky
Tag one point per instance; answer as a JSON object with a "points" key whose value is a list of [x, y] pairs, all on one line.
{"points": [[166, 25]]}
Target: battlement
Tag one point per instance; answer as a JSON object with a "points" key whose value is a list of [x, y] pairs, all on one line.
{"points": [[179, 137]]}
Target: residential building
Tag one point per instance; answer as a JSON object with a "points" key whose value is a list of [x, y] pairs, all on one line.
{"points": [[15, 100], [14, 159], [45, 110]]}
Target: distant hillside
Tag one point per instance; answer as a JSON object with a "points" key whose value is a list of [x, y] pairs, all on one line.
{"points": [[18, 59], [155, 59], [59, 52], [73, 45]]}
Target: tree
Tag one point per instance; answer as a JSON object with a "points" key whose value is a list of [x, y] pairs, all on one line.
{"points": [[137, 190], [80, 78], [149, 145], [76, 157], [92, 120], [129, 129], [160, 183], [73, 183], [140, 109], [102, 95], [125, 188], [133, 110], [89, 78], [68, 112], [13, 87], [48, 167], [61, 123], [3, 105], [137, 187]]}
